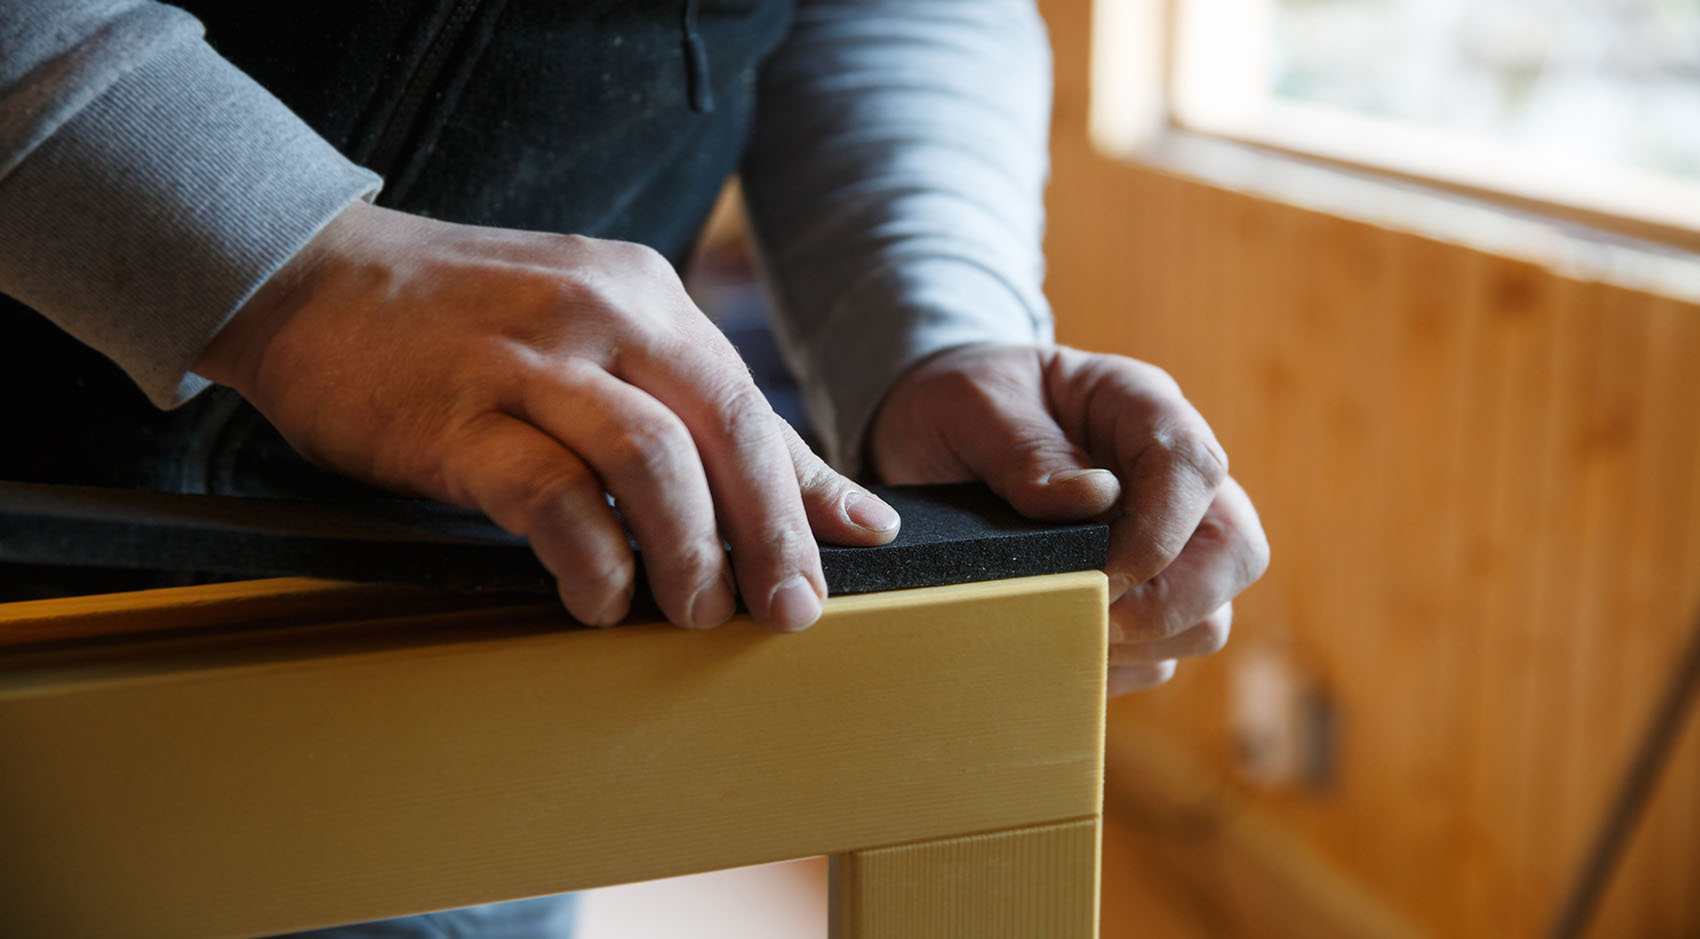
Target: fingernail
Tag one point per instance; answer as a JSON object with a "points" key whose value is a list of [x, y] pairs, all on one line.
{"points": [[868, 511], [712, 605], [793, 605], [1064, 476]]}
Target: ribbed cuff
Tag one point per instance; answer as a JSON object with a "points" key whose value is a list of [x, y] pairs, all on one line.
{"points": [[146, 220]]}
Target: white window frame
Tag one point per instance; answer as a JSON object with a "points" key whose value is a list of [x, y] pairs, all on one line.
{"points": [[1160, 70]]}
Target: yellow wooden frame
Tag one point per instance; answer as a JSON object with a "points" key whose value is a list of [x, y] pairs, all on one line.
{"points": [[945, 745]]}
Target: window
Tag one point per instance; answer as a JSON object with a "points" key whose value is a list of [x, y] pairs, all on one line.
{"points": [[1585, 105]]}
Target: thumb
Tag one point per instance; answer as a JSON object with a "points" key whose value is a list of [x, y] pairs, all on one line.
{"points": [[1019, 450]]}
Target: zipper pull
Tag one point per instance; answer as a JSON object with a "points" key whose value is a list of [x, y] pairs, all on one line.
{"points": [[696, 64]]}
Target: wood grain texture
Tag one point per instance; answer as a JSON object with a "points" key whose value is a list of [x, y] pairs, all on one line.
{"points": [[279, 779], [1481, 481], [1039, 880]]}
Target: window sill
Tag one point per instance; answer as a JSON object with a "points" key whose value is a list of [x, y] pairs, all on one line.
{"points": [[1575, 243]]}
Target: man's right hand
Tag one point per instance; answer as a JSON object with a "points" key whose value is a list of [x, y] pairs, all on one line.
{"points": [[528, 375]]}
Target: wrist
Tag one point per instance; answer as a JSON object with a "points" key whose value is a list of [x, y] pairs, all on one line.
{"points": [[234, 355], [909, 412]]}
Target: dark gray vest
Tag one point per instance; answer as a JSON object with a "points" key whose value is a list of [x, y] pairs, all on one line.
{"points": [[610, 118]]}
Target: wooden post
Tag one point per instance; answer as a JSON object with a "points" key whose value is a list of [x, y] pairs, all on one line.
{"points": [[1038, 880]]}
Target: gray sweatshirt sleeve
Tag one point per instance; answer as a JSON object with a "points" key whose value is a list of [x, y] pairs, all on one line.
{"points": [[147, 186], [895, 184]]}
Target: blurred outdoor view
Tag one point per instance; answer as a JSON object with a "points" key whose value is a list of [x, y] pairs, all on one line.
{"points": [[1614, 82]]}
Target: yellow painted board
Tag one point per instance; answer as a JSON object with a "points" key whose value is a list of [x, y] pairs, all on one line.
{"points": [[283, 779], [1034, 881], [240, 603]]}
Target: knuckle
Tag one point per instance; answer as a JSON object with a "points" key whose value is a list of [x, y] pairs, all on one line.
{"points": [[1165, 548], [1154, 379], [590, 292], [1171, 623], [652, 449], [745, 417], [1183, 447], [1163, 615], [576, 290], [1216, 531], [1036, 446], [602, 576], [646, 258], [612, 259], [590, 574], [822, 482], [789, 541], [642, 261], [1213, 634], [1175, 447], [576, 244], [1162, 541], [616, 574], [698, 562], [547, 504], [1255, 559], [814, 477], [576, 297], [702, 332]]}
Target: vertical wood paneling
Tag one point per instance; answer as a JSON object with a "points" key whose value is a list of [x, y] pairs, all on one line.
{"points": [[1481, 481], [1655, 894], [1424, 701]]}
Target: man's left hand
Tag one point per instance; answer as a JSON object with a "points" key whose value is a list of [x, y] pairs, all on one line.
{"points": [[1067, 435]]}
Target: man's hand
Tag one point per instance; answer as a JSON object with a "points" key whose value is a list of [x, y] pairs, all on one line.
{"points": [[1068, 435], [527, 375]]}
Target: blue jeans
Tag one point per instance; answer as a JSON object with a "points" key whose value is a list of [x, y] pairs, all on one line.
{"points": [[537, 918]]}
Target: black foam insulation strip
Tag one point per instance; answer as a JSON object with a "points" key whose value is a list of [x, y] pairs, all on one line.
{"points": [[950, 534]]}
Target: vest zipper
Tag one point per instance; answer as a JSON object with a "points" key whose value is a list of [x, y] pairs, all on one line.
{"points": [[403, 119], [696, 63]]}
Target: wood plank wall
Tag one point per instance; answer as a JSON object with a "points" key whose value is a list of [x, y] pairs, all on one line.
{"points": [[1481, 480]]}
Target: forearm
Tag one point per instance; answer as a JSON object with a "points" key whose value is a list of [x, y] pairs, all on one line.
{"points": [[147, 187], [894, 182]]}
